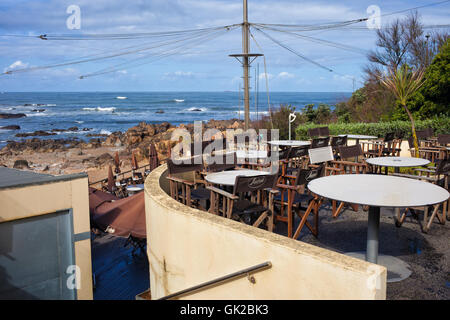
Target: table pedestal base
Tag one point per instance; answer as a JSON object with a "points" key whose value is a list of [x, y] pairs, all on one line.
{"points": [[397, 269]]}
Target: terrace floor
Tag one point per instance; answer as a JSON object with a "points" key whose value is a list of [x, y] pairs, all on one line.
{"points": [[119, 275]]}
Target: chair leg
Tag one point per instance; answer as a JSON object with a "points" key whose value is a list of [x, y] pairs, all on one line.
{"points": [[303, 221], [260, 219], [400, 218], [290, 217], [338, 210]]}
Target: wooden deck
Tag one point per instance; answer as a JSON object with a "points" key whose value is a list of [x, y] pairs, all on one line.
{"points": [[118, 275]]}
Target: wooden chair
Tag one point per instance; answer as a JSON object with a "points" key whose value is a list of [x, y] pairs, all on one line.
{"points": [[314, 132], [439, 176], [393, 147], [221, 162], [297, 158], [320, 142], [379, 147], [254, 210], [293, 195], [318, 158], [347, 166], [336, 142], [184, 185]]}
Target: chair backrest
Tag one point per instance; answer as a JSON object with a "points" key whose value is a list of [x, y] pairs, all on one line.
{"points": [[422, 134], [204, 144], [346, 152], [304, 176], [185, 166], [314, 132], [324, 131], [320, 155], [430, 132], [337, 141], [254, 183], [389, 137], [443, 139], [224, 161], [320, 142], [298, 152], [400, 135], [411, 142], [443, 167]]}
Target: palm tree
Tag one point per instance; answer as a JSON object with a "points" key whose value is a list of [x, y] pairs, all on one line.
{"points": [[403, 83]]}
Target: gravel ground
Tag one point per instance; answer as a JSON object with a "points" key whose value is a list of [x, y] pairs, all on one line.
{"points": [[427, 254]]}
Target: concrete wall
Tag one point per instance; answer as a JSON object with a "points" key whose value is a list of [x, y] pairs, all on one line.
{"points": [[187, 247], [25, 202]]}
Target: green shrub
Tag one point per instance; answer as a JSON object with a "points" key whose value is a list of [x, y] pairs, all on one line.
{"points": [[439, 124]]}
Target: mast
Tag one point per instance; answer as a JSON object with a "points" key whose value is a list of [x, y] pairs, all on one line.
{"points": [[245, 65], [246, 58]]}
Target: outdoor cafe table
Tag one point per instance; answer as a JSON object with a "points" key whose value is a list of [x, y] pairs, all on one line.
{"points": [[289, 143], [358, 137], [134, 188], [251, 154], [227, 178], [378, 191], [397, 162]]}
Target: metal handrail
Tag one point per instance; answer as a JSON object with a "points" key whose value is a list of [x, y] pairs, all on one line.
{"points": [[221, 280]]}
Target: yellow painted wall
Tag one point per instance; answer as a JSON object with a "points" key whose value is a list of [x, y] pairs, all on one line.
{"points": [[29, 201], [187, 247]]}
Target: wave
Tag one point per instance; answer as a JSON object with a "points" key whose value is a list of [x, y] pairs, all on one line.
{"points": [[195, 109], [121, 98], [104, 131], [265, 113], [178, 100], [79, 121], [100, 109]]}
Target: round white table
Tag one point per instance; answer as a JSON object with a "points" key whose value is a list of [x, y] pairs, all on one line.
{"points": [[358, 137], [227, 178], [377, 191], [134, 188], [397, 162], [289, 143], [251, 154]]}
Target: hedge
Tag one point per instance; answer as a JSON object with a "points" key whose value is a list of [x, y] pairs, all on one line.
{"points": [[439, 125]]}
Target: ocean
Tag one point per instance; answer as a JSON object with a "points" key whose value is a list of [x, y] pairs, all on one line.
{"points": [[106, 112]]}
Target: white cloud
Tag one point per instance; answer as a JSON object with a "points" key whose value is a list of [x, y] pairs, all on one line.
{"points": [[262, 76], [16, 65], [285, 75]]}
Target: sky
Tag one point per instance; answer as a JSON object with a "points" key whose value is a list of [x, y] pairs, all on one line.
{"points": [[201, 65]]}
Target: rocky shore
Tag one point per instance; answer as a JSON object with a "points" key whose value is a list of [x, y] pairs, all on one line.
{"points": [[64, 156]]}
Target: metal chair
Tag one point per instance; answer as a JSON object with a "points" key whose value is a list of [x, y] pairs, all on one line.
{"points": [[254, 210]]}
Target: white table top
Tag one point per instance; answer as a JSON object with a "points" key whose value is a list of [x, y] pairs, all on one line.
{"points": [[290, 143], [251, 154], [228, 178], [378, 190], [397, 161], [137, 187], [358, 136]]}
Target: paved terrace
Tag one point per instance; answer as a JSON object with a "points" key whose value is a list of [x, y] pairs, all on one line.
{"points": [[119, 275]]}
